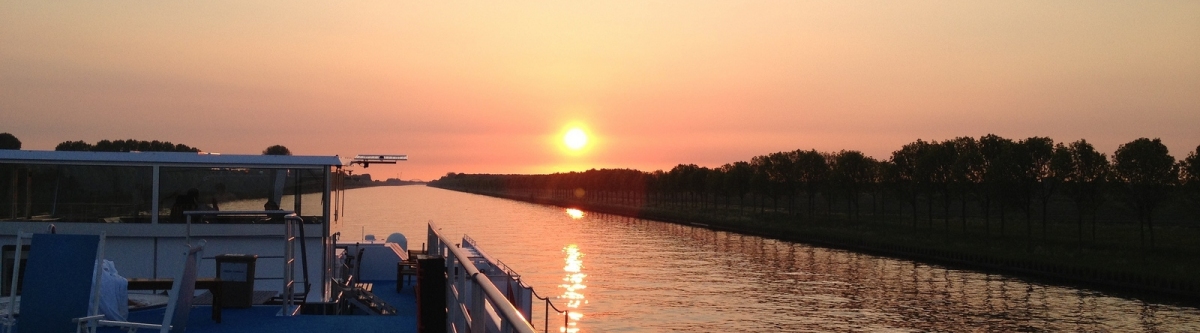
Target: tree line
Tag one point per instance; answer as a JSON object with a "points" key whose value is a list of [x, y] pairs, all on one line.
{"points": [[125, 146], [961, 182], [9, 141]]}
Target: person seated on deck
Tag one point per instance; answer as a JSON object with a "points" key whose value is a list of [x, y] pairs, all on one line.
{"points": [[272, 218], [183, 203]]}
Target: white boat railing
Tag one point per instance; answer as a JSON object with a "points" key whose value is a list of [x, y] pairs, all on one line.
{"points": [[512, 274], [473, 303]]}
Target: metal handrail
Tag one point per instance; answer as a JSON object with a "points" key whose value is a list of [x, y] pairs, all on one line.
{"points": [[511, 319], [187, 236], [513, 275], [499, 264]]}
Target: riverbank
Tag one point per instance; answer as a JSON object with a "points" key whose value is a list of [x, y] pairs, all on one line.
{"points": [[1162, 275]]}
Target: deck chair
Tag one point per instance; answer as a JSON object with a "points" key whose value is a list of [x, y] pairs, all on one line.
{"points": [[179, 303], [57, 283]]}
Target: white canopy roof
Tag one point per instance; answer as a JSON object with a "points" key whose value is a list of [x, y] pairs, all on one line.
{"points": [[167, 159]]}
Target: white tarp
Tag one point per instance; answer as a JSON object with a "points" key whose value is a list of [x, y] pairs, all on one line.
{"points": [[114, 293]]}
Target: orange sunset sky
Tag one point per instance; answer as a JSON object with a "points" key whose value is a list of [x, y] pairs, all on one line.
{"points": [[492, 87]]}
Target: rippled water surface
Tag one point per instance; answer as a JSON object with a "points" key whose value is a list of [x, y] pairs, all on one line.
{"points": [[626, 274]]}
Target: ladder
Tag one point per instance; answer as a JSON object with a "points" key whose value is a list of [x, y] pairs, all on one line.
{"points": [[291, 224]]}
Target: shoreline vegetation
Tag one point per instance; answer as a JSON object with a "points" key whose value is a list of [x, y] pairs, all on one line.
{"points": [[1060, 212]]}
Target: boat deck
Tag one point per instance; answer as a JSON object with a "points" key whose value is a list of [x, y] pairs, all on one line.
{"points": [[262, 319]]}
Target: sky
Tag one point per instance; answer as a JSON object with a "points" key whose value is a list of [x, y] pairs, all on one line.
{"points": [[492, 87]]}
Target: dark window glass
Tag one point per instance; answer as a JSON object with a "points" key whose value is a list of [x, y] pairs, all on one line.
{"points": [[75, 193], [239, 189]]}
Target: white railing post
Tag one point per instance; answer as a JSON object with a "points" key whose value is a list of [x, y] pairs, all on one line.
{"points": [[475, 294]]}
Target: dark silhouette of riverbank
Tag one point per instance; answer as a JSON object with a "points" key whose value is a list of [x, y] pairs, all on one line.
{"points": [[895, 242]]}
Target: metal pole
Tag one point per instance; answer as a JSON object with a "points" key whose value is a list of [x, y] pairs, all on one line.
{"points": [[16, 192], [154, 200], [28, 195], [546, 316]]}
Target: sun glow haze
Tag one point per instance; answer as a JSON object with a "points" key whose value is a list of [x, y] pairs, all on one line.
{"points": [[495, 87], [575, 139]]}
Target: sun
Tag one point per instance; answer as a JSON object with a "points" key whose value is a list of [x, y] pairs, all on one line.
{"points": [[575, 139]]}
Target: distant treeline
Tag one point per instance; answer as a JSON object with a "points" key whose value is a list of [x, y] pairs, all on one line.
{"points": [[982, 180], [8, 141], [124, 146]]}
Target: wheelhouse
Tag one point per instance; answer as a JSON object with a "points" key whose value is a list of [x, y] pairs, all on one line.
{"points": [[139, 200]]}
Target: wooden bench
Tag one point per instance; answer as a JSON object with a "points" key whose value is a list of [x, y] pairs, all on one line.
{"points": [[213, 285]]}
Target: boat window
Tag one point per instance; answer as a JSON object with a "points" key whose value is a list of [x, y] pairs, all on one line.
{"points": [[239, 189], [75, 193]]}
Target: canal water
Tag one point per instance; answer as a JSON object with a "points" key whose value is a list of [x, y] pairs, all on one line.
{"points": [[619, 274]]}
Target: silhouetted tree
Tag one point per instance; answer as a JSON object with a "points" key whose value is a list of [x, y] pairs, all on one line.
{"points": [[106, 145], [999, 175], [890, 182], [968, 171], [760, 182], [277, 150], [781, 173], [811, 171], [875, 186], [852, 170], [1057, 172], [1034, 155], [1088, 170], [687, 181], [737, 180], [768, 181], [1147, 171], [73, 146], [9, 141], [906, 173], [1189, 169], [936, 171], [714, 185]]}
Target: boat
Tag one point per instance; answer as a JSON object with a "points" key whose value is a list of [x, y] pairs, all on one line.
{"points": [[270, 262]]}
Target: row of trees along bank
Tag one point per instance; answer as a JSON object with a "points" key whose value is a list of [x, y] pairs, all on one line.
{"points": [[1033, 199]]}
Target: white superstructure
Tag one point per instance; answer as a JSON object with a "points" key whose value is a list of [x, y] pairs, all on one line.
{"points": [[138, 200]]}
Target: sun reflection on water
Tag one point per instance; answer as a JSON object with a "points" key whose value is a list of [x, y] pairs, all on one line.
{"points": [[573, 284], [575, 213]]}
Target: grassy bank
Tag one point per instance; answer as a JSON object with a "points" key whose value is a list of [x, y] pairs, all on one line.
{"points": [[1165, 272]]}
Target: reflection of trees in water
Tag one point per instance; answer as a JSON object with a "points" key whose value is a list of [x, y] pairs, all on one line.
{"points": [[835, 290]]}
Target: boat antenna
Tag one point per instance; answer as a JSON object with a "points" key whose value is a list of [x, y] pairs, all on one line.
{"points": [[367, 159]]}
